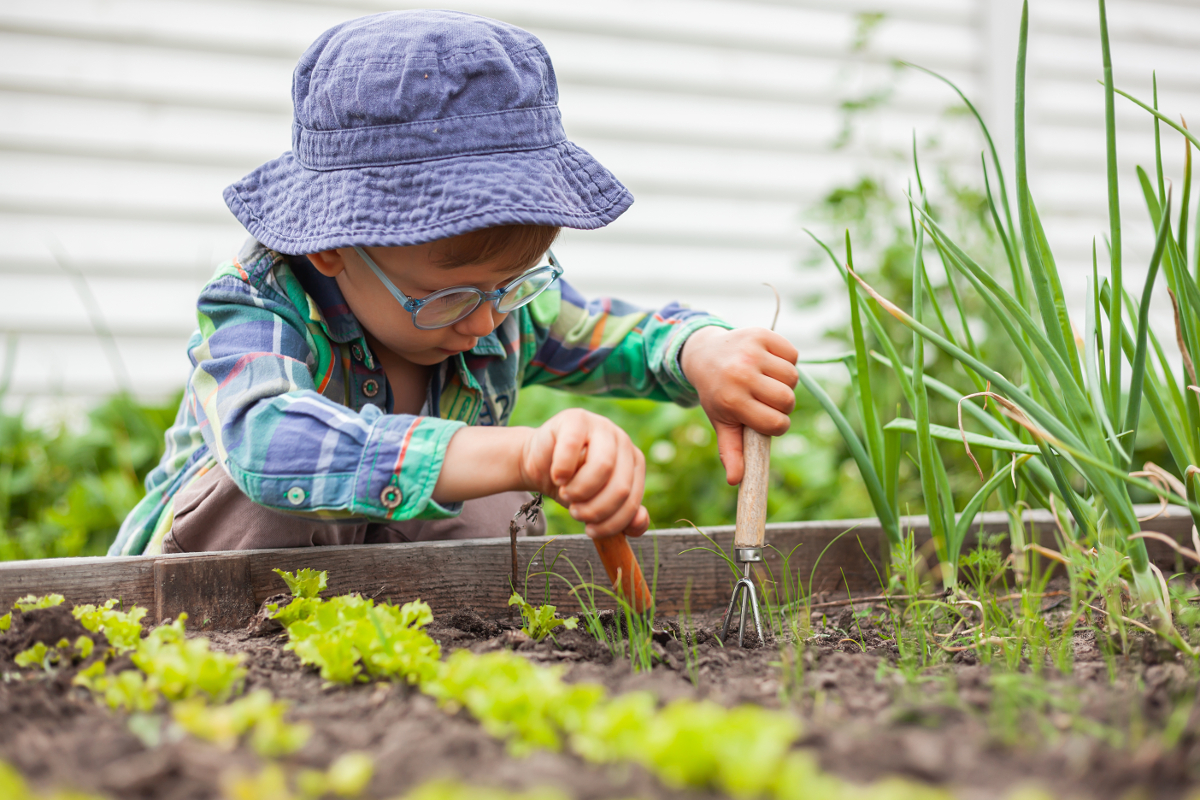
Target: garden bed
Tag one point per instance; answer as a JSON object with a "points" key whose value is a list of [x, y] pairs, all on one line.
{"points": [[1075, 735], [1117, 719]]}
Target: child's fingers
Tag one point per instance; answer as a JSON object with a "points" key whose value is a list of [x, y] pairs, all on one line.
{"points": [[570, 447], [593, 474], [774, 394], [641, 522], [729, 447], [630, 486], [781, 370], [641, 517], [617, 492], [765, 419], [781, 347]]}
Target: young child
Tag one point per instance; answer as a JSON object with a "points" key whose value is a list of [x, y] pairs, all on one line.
{"points": [[356, 365]]}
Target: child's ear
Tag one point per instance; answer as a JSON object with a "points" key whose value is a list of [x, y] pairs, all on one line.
{"points": [[328, 262]]}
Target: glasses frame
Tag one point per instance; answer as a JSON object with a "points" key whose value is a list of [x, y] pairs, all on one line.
{"points": [[413, 305]]}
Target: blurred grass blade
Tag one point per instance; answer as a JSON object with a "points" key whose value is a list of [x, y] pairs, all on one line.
{"points": [[1114, 224], [925, 449], [1182, 236], [1094, 385], [1162, 190], [1138, 367], [1010, 252], [865, 396], [1152, 392], [987, 135], [1035, 246]]}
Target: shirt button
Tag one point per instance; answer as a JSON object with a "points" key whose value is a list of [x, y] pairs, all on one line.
{"points": [[356, 351], [295, 495], [370, 387], [390, 497]]}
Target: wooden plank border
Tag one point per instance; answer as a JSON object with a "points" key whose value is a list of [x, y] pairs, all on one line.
{"points": [[222, 590]]}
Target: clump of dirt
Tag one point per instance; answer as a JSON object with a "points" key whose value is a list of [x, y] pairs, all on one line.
{"points": [[264, 621], [48, 625], [469, 621]]}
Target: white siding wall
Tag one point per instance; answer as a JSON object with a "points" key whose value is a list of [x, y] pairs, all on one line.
{"points": [[122, 120]]}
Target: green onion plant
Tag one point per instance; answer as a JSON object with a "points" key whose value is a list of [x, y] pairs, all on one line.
{"points": [[1062, 431]]}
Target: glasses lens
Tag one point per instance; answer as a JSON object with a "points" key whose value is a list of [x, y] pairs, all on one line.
{"points": [[446, 309], [525, 289]]}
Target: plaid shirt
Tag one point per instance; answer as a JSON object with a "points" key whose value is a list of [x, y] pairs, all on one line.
{"points": [[287, 397]]}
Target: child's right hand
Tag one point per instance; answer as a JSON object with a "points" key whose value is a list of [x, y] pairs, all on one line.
{"points": [[591, 467]]}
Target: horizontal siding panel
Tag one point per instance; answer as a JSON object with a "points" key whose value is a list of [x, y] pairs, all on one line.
{"points": [[74, 364]]}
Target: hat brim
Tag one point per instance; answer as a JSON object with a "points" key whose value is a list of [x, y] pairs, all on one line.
{"points": [[296, 210]]}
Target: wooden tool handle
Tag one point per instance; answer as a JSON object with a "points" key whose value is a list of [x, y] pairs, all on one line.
{"points": [[621, 564], [751, 528]]}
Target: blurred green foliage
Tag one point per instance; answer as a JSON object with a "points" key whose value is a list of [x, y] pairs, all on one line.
{"points": [[65, 492]]}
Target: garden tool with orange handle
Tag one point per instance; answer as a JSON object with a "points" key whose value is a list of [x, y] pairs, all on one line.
{"points": [[751, 530], [623, 570], [622, 567], [620, 563]]}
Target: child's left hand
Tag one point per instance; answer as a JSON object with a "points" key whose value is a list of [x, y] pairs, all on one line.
{"points": [[744, 377]]}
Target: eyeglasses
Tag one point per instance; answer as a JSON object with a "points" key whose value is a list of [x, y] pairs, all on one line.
{"points": [[448, 306]]}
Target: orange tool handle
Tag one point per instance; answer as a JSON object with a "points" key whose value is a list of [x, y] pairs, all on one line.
{"points": [[619, 560]]}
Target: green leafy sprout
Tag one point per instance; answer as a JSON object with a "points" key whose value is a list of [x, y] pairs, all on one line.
{"points": [[29, 602], [122, 628], [305, 582], [540, 622]]}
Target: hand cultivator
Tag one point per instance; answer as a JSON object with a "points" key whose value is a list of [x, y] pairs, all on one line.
{"points": [[751, 530]]}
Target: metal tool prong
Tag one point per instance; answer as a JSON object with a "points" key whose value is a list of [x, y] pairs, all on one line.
{"points": [[744, 588]]}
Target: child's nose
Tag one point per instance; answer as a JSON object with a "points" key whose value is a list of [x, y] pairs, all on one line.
{"points": [[480, 322]]}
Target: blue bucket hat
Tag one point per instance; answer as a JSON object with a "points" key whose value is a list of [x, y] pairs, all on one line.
{"points": [[411, 126]]}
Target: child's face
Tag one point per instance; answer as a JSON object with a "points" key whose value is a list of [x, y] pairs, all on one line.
{"points": [[415, 271]]}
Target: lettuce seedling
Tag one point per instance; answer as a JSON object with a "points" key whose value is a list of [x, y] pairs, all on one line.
{"points": [[349, 774], [129, 689], [305, 582], [256, 713], [540, 621], [29, 602], [31, 657], [122, 628], [530, 706], [453, 790], [345, 635], [41, 655], [6, 622], [185, 668], [14, 787]]}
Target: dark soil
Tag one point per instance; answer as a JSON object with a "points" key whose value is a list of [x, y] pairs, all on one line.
{"points": [[963, 725]]}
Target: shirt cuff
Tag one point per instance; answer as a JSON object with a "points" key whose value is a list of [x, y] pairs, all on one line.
{"points": [[400, 467], [676, 384]]}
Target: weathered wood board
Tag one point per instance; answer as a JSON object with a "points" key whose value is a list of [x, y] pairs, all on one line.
{"points": [[223, 590]]}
